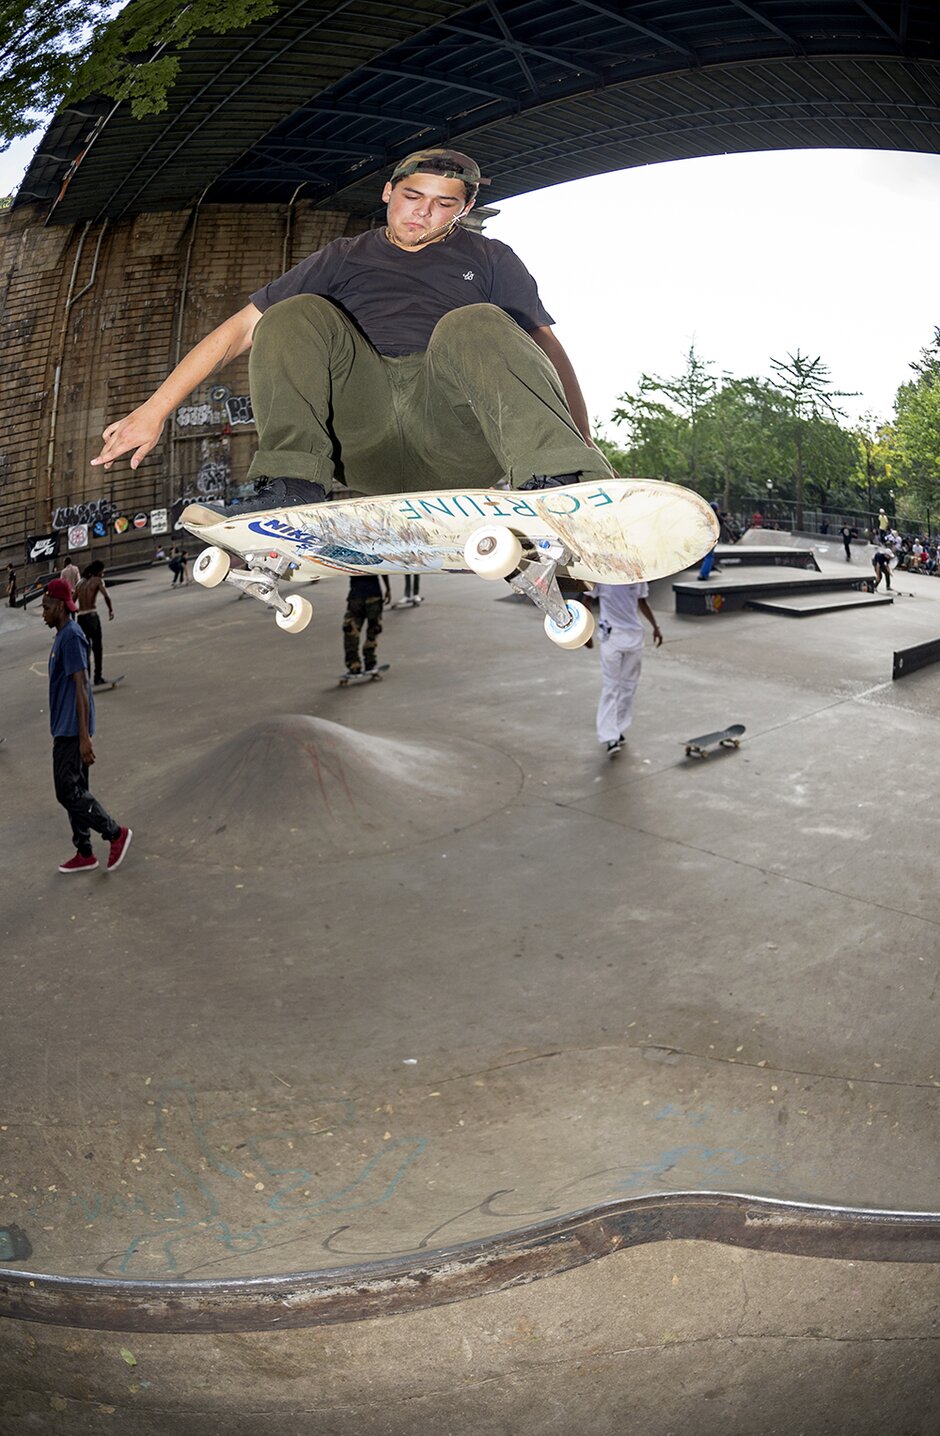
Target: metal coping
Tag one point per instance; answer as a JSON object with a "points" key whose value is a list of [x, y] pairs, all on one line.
{"points": [[419, 1280]]}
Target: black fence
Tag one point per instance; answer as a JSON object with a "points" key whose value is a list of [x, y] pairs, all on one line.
{"points": [[781, 514]]}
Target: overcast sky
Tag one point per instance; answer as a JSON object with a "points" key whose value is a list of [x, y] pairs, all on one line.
{"points": [[833, 252]]}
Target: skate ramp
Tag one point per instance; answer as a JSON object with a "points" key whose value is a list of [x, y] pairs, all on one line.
{"points": [[295, 788]]}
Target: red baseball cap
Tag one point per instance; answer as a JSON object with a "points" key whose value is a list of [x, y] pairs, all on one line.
{"points": [[60, 588]]}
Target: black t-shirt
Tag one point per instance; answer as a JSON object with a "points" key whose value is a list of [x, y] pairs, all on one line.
{"points": [[396, 298]]}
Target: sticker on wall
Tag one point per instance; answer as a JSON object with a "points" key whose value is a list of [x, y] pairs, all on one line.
{"points": [[78, 536], [99, 528], [121, 524], [140, 521], [158, 521], [41, 546]]}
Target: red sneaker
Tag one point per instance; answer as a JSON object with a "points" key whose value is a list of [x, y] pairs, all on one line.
{"points": [[79, 864], [119, 848]]}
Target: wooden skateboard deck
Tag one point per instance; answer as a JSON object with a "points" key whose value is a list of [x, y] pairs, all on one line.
{"points": [[619, 530]]}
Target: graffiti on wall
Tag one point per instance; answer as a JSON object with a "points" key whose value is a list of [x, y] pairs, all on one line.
{"points": [[192, 416], [93, 511], [239, 410]]}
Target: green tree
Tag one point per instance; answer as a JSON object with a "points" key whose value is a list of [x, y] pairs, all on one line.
{"points": [[809, 396], [744, 443], [915, 432], [53, 52], [40, 45], [663, 420]]}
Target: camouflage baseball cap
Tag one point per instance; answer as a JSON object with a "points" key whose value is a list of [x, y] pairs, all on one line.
{"points": [[449, 163]]}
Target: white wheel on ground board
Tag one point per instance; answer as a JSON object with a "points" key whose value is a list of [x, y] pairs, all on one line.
{"points": [[578, 631], [301, 612], [211, 567], [492, 552]]}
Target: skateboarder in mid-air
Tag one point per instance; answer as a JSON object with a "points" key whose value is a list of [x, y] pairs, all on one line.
{"points": [[72, 720], [395, 360]]}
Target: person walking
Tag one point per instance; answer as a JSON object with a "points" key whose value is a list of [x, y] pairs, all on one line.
{"points": [[86, 596], [847, 535], [620, 635], [72, 721], [72, 574], [364, 604]]}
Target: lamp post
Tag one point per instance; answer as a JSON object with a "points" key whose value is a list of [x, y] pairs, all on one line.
{"points": [[770, 498]]}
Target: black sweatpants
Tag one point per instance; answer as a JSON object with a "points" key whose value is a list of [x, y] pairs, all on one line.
{"points": [[70, 776], [90, 624]]}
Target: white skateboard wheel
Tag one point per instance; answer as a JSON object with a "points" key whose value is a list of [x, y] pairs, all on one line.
{"points": [[211, 567], [301, 612], [579, 630], [492, 552]]}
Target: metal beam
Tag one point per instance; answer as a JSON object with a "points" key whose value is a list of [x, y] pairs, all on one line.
{"points": [[634, 25], [448, 81], [768, 24], [882, 24]]}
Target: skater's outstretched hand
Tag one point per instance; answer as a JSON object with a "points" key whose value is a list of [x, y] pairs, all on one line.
{"points": [[139, 431]]}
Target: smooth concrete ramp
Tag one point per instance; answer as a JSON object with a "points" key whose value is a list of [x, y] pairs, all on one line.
{"points": [[556, 1009]]}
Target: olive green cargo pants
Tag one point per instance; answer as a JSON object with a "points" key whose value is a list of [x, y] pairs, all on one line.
{"points": [[481, 403]]}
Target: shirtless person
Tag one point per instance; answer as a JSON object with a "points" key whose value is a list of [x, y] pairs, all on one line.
{"points": [[86, 596], [408, 357]]}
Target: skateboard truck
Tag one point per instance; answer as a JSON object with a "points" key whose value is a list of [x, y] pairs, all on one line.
{"points": [[258, 580], [567, 622], [536, 579], [530, 569]]}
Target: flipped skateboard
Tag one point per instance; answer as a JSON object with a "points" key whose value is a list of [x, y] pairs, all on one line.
{"points": [[601, 531], [370, 675], [726, 738], [108, 683]]}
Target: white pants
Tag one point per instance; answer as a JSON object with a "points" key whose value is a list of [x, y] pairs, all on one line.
{"points": [[621, 658]]}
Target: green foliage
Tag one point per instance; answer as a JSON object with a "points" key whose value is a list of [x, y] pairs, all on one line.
{"points": [[913, 445], [40, 41], [732, 437], [809, 400], [53, 52]]}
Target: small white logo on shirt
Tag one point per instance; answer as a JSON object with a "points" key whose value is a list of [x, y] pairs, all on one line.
{"points": [[469, 274]]}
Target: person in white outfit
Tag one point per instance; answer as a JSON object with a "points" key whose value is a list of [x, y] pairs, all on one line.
{"points": [[620, 636]]}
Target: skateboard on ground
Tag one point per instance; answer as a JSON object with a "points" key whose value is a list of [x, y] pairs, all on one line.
{"points": [[370, 675], [108, 683], [601, 531], [726, 738]]}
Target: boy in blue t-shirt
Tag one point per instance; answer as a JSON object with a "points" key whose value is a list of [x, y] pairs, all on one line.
{"points": [[72, 720]]}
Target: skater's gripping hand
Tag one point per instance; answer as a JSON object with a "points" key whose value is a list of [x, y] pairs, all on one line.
{"points": [[138, 431]]}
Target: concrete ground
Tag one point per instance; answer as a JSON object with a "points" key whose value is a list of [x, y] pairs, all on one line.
{"points": [[408, 965]]}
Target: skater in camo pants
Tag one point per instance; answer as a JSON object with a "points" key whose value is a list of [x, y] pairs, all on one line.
{"points": [[364, 605]]}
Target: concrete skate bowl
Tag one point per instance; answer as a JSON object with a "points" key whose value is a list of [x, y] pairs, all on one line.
{"points": [[294, 788]]}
